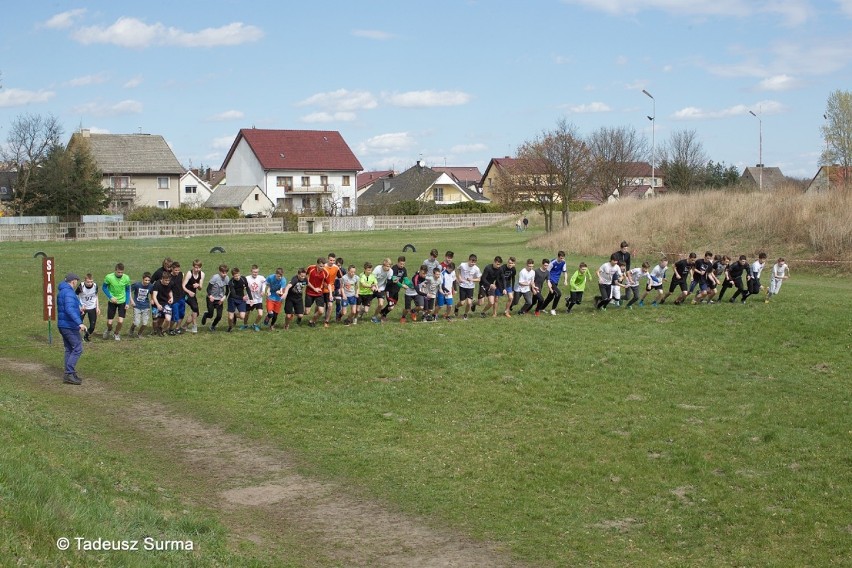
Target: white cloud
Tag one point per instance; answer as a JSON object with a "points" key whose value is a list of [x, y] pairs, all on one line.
{"points": [[329, 117], [423, 99], [794, 12], [128, 106], [621, 60], [134, 33], [562, 59], [98, 130], [227, 115], [134, 82], [64, 20], [222, 143], [778, 83], [386, 143], [845, 6], [373, 34], [21, 97], [341, 100], [468, 148], [588, 108], [87, 80], [760, 108]]}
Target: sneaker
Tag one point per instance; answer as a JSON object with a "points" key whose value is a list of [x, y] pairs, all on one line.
{"points": [[654, 304], [194, 328], [204, 319], [257, 327], [402, 320], [138, 336], [179, 330], [106, 334], [70, 379], [86, 336], [641, 303], [507, 314], [765, 301], [375, 320], [536, 313], [243, 327], [483, 315], [464, 317], [229, 329], [117, 337], [553, 312], [212, 328], [325, 325], [173, 332], [355, 321], [132, 330], [413, 317], [286, 326]]}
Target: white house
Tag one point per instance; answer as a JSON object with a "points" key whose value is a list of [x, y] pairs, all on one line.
{"points": [[299, 170], [248, 199], [193, 189]]}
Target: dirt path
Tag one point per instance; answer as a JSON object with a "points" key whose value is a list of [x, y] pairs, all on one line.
{"points": [[259, 494]]}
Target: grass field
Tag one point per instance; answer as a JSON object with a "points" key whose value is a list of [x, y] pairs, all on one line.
{"points": [[694, 435]]}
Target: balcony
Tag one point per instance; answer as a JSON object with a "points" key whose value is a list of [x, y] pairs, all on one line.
{"points": [[309, 189], [122, 193]]}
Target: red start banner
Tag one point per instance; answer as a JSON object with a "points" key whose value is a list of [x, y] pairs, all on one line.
{"points": [[48, 269]]}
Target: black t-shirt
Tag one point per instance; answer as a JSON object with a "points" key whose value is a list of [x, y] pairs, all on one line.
{"points": [[237, 287], [297, 287], [490, 275], [736, 270], [160, 292], [541, 277], [397, 274], [700, 270], [177, 287], [624, 257], [507, 275], [682, 267]]}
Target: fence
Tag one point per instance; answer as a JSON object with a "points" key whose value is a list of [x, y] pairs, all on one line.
{"points": [[139, 230]]}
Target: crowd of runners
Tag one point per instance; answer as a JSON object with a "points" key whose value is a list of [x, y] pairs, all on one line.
{"points": [[170, 301]]}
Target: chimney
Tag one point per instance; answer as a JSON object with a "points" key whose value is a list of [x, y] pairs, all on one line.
{"points": [[85, 132]]}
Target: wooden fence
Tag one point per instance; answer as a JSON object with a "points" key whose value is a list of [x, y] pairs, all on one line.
{"points": [[211, 227]]}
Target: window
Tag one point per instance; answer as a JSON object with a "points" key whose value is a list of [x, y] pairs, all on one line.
{"points": [[306, 203], [162, 183], [163, 204], [324, 181], [191, 189], [346, 203], [345, 181], [306, 181], [284, 181], [119, 182], [256, 197], [438, 193]]}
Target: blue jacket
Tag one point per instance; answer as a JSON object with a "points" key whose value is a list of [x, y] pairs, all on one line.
{"points": [[68, 307]]}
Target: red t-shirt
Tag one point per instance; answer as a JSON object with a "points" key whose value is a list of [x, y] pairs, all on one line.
{"points": [[316, 277]]}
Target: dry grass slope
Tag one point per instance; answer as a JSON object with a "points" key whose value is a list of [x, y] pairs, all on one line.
{"points": [[783, 223]]}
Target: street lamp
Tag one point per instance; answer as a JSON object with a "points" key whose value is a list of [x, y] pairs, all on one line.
{"points": [[760, 151], [653, 120]]}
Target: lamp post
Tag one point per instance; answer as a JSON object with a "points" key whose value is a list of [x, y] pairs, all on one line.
{"points": [[653, 119], [760, 151]]}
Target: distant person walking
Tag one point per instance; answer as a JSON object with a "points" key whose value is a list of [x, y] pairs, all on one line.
{"points": [[526, 222], [70, 323]]}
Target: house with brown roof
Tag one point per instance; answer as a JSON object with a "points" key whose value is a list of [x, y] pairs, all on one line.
{"points": [[465, 176], [299, 170], [830, 178], [366, 179], [193, 189], [138, 169], [417, 183], [766, 178]]}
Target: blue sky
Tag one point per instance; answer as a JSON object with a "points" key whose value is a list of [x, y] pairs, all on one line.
{"points": [[450, 82]]}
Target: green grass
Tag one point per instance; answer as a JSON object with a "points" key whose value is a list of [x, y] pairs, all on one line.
{"points": [[693, 435]]}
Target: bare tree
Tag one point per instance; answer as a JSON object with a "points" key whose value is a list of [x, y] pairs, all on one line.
{"points": [[565, 163], [30, 139], [614, 153], [684, 161], [837, 131]]}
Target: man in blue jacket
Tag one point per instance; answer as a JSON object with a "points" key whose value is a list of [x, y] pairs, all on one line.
{"points": [[69, 320]]}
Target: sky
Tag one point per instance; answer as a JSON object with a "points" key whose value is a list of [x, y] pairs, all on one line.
{"points": [[452, 83]]}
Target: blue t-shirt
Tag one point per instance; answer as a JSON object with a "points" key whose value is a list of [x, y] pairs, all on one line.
{"points": [[557, 267], [275, 284], [141, 295]]}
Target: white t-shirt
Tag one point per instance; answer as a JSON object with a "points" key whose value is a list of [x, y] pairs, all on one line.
{"points": [[779, 271], [88, 296], [657, 274], [608, 272], [350, 285], [634, 275], [257, 284], [447, 281], [757, 268], [467, 274], [382, 277], [525, 279]]}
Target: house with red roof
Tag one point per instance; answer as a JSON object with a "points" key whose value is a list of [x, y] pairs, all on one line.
{"points": [[300, 171], [366, 179]]}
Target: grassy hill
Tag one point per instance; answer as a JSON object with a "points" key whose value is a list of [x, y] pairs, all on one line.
{"points": [[802, 228]]}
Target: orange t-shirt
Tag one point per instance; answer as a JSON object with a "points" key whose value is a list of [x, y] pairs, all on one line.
{"points": [[332, 272]]}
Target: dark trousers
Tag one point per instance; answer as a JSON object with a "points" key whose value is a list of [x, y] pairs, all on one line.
{"points": [[574, 299], [555, 295], [606, 295], [92, 315], [73, 348], [741, 290], [214, 307]]}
